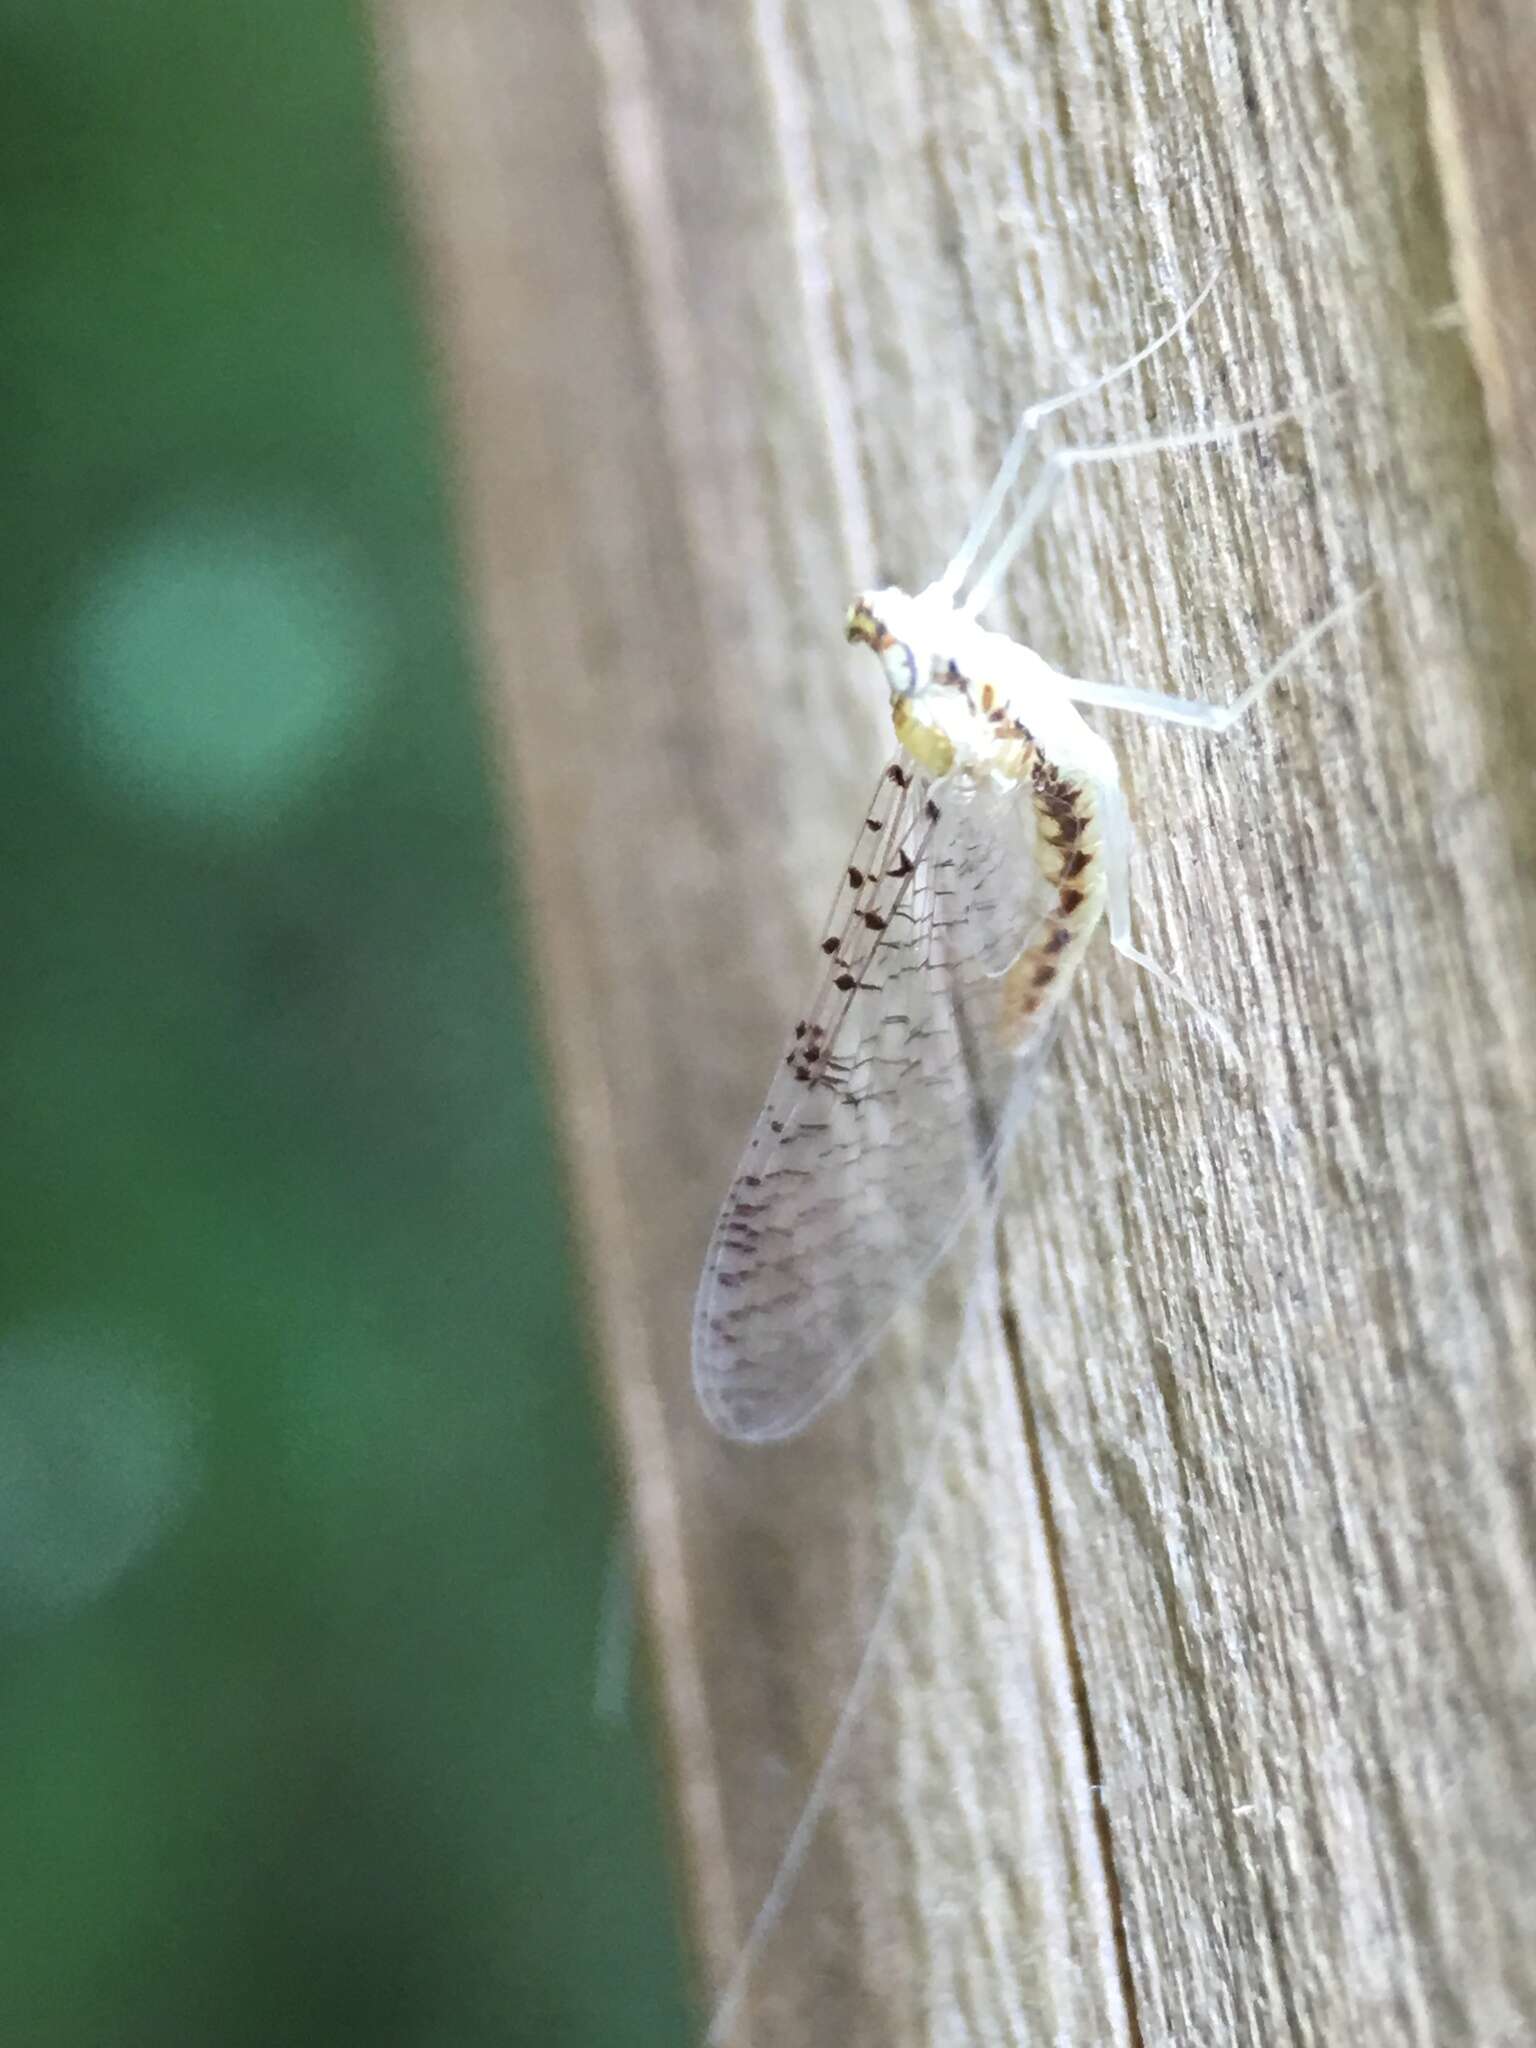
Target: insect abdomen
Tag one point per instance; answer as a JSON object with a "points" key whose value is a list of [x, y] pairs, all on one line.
{"points": [[1069, 853]]}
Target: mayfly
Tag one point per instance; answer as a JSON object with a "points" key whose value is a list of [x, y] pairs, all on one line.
{"points": [[996, 842]]}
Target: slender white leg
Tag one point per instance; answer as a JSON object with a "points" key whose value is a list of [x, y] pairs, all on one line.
{"points": [[1196, 711], [1062, 460], [1116, 825], [1116, 844], [1008, 471]]}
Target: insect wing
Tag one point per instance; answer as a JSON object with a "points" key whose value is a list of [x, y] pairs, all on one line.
{"points": [[896, 1090]]}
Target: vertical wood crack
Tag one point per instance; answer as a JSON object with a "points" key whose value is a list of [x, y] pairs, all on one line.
{"points": [[1082, 1707]]}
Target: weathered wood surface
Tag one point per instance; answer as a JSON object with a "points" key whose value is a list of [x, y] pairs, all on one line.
{"points": [[1480, 70], [737, 301]]}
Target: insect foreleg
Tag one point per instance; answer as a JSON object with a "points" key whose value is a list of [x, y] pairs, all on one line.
{"points": [[1013, 460]]}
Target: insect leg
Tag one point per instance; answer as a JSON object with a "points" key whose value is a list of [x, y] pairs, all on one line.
{"points": [[1117, 844], [1013, 460], [1197, 711], [1061, 461]]}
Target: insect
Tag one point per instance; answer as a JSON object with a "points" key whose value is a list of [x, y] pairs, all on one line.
{"points": [[997, 841]]}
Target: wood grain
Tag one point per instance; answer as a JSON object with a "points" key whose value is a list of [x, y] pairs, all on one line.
{"points": [[1480, 71], [1211, 1719]]}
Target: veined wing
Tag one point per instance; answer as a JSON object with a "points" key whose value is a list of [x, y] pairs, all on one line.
{"points": [[898, 1088]]}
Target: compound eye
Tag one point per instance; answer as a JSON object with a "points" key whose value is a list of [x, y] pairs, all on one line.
{"points": [[901, 669]]}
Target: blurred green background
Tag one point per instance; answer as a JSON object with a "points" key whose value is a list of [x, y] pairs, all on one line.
{"points": [[304, 1518]]}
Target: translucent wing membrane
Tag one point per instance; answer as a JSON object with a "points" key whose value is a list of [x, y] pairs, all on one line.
{"points": [[907, 1073]]}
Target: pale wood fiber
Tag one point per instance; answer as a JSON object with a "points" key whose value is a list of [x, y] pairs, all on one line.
{"points": [[1480, 71]]}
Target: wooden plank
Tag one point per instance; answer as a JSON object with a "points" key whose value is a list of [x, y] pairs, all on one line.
{"points": [[1480, 71], [1214, 1720]]}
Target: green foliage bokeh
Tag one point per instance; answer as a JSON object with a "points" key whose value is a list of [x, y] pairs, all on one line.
{"points": [[304, 1524]]}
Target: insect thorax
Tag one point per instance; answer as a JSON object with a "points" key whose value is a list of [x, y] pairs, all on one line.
{"points": [[946, 713]]}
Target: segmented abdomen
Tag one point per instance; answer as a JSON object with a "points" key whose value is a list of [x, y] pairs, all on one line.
{"points": [[1069, 859]]}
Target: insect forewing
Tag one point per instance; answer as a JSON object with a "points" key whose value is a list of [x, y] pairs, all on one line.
{"points": [[907, 1074]]}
